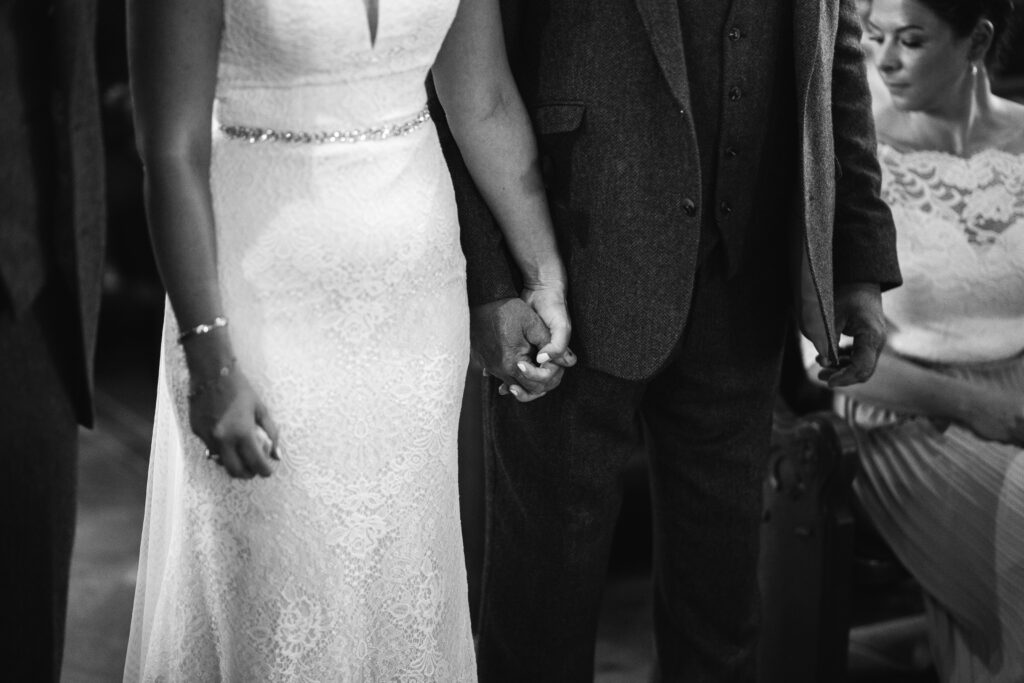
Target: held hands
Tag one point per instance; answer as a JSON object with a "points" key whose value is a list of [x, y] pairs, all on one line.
{"points": [[506, 334], [858, 308], [226, 413]]}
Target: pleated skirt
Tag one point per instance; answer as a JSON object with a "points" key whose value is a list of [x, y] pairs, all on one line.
{"points": [[951, 506]]}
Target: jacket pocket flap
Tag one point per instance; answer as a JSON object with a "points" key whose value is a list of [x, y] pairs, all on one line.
{"points": [[558, 118]]}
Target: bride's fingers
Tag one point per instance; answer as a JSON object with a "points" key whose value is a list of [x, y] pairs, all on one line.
{"points": [[230, 461], [519, 393], [264, 420], [524, 396], [557, 346], [255, 455], [542, 377], [566, 359]]}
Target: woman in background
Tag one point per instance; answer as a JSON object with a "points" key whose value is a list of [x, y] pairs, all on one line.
{"points": [[941, 423], [879, 95]]}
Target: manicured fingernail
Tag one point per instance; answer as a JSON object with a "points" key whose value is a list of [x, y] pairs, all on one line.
{"points": [[522, 366], [543, 358], [515, 391], [503, 390]]}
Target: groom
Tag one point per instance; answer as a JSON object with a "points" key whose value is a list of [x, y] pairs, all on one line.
{"points": [[711, 174], [52, 224]]}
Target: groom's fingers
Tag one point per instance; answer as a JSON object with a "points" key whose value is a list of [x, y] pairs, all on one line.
{"points": [[558, 346], [566, 360], [545, 377]]}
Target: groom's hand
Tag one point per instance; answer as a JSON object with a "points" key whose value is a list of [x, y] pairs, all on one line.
{"points": [[505, 335], [858, 315]]}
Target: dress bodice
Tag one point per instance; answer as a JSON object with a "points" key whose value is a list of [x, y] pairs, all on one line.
{"points": [[310, 65], [960, 240]]}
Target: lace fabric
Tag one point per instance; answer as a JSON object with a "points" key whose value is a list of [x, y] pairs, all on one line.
{"points": [[342, 276], [960, 239]]}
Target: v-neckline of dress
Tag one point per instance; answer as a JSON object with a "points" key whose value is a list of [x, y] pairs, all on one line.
{"points": [[372, 15]]}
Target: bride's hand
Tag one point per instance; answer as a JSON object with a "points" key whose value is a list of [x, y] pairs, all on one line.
{"points": [[996, 416], [227, 414], [553, 354], [549, 303]]}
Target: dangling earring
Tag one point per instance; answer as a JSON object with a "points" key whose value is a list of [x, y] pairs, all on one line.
{"points": [[974, 69]]}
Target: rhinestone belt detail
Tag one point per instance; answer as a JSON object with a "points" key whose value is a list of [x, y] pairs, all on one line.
{"points": [[255, 135]]}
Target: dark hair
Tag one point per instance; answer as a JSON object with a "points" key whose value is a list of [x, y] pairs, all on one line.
{"points": [[964, 15]]}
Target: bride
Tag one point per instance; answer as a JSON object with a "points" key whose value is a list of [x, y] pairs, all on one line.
{"points": [[302, 513]]}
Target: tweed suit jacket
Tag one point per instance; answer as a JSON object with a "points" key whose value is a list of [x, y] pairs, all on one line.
{"points": [[607, 87], [74, 220]]}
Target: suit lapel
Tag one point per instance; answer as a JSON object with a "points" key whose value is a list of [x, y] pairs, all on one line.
{"points": [[661, 18], [814, 26]]}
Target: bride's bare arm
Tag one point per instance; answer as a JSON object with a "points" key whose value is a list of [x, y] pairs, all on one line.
{"points": [[173, 50], [493, 131], [491, 126]]}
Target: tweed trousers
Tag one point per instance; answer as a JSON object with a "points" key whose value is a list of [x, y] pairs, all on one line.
{"points": [[554, 490], [38, 478]]}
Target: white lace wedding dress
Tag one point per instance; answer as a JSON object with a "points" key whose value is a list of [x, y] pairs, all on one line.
{"points": [[344, 284]]}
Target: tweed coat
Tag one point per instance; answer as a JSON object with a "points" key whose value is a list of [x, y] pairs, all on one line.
{"points": [[73, 220], [606, 84]]}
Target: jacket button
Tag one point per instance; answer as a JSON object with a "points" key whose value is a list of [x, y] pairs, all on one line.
{"points": [[735, 93], [735, 33], [731, 152], [689, 208], [725, 207]]}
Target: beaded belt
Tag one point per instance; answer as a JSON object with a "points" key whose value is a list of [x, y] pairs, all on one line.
{"points": [[397, 130]]}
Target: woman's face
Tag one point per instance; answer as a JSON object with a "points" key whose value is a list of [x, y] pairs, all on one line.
{"points": [[924, 65]]}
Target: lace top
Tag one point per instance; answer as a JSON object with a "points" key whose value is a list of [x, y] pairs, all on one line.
{"points": [[960, 239], [333, 78]]}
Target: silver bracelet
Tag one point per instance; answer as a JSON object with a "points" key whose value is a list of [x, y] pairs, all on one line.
{"points": [[202, 328]]}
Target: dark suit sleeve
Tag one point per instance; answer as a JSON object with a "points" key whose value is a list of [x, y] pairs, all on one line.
{"points": [[864, 240], [489, 271]]}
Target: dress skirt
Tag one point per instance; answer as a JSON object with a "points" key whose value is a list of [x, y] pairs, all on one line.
{"points": [[951, 506]]}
